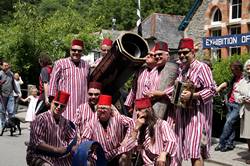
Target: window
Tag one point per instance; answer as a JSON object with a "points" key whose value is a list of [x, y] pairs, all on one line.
{"points": [[216, 18], [217, 15], [234, 50], [216, 32], [216, 52], [235, 10]]}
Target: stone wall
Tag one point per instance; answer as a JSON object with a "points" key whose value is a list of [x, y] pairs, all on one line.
{"points": [[195, 28]]}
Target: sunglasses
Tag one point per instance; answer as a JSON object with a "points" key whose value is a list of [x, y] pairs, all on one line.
{"points": [[183, 52], [94, 94], [159, 54], [75, 50], [59, 105]]}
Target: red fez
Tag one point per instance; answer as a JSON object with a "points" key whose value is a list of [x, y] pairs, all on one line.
{"points": [[107, 42], [143, 103], [186, 43], [105, 100], [62, 97], [77, 42], [95, 85], [160, 46]]}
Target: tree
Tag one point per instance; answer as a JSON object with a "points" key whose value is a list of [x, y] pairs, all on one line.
{"points": [[30, 32]]}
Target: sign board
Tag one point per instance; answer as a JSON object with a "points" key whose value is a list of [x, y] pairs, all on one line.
{"points": [[226, 41]]}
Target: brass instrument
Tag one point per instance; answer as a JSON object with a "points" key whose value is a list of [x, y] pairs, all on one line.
{"points": [[179, 87], [125, 57]]}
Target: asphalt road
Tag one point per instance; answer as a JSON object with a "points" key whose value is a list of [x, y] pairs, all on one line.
{"points": [[12, 148]]}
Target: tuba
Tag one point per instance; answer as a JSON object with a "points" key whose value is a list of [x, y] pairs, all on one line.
{"points": [[124, 58]]}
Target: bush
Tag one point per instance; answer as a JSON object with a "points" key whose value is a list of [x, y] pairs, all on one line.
{"points": [[222, 73]]}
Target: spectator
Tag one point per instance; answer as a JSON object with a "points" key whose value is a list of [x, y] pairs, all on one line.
{"points": [[52, 136], [71, 75], [242, 96], [32, 99], [228, 134], [18, 81], [7, 96], [46, 64]]}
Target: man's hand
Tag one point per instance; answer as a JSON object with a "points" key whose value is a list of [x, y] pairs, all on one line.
{"points": [[161, 160], [74, 148], [156, 93], [47, 101], [186, 95]]}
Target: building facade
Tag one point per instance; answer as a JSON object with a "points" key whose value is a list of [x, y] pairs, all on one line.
{"points": [[222, 27]]}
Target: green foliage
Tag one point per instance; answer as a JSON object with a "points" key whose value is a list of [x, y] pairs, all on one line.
{"points": [[28, 27], [102, 11], [30, 32], [222, 73], [221, 70]]}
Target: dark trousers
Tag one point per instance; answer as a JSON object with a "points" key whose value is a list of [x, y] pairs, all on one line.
{"points": [[228, 134]]}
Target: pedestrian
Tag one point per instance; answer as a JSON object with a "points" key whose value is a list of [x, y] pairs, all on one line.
{"points": [[111, 131], [105, 46], [7, 96], [46, 64], [155, 139], [194, 120], [233, 107], [71, 75], [141, 83], [32, 99], [242, 96], [52, 136], [18, 81]]}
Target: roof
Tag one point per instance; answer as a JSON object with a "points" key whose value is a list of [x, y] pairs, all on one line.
{"points": [[163, 27], [189, 16], [112, 34]]}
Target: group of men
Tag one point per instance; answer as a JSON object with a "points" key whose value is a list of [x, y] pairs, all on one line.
{"points": [[80, 112]]}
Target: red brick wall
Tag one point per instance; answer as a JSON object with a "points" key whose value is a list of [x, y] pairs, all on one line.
{"points": [[225, 10]]}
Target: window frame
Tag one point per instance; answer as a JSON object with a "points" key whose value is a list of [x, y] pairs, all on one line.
{"points": [[231, 11], [213, 15], [236, 47], [215, 52]]}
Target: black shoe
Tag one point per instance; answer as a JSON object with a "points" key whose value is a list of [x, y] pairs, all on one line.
{"points": [[230, 147], [224, 149], [217, 148]]}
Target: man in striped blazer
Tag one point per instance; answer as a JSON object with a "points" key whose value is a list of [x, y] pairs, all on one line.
{"points": [[70, 75], [111, 131], [141, 82], [194, 121], [52, 136]]}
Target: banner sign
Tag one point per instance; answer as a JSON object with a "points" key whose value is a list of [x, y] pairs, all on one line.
{"points": [[226, 41]]}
